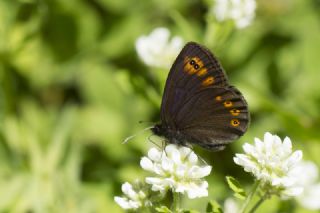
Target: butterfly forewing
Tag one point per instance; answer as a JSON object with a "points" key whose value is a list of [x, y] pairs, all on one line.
{"points": [[186, 78]]}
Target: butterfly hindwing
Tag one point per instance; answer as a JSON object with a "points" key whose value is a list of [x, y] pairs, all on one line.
{"points": [[214, 117]]}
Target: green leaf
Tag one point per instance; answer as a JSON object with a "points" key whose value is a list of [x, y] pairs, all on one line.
{"points": [[163, 209], [213, 207], [235, 186]]}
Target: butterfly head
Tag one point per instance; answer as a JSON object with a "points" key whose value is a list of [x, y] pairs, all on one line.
{"points": [[158, 129], [171, 135]]}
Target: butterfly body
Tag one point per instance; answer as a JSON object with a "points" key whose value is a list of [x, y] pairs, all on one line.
{"points": [[178, 138], [199, 106], [175, 136]]}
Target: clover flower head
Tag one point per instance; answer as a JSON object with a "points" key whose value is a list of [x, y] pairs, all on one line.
{"points": [[176, 168], [133, 198], [157, 50], [242, 12], [272, 162]]}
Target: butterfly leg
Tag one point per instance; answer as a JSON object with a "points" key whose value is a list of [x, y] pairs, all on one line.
{"points": [[153, 142]]}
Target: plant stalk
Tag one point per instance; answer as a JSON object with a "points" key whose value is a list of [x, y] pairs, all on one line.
{"points": [[176, 202], [260, 201], [250, 196]]}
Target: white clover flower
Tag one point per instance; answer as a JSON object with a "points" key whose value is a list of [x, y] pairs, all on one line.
{"points": [[133, 199], [157, 50], [177, 169], [272, 162], [308, 174], [242, 12]]}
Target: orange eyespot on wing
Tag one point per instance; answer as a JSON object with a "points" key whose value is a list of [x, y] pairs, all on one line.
{"points": [[235, 122], [193, 65], [228, 104], [203, 71], [218, 98], [208, 81], [198, 61], [235, 112]]}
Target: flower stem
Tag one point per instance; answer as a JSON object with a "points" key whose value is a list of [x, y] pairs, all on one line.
{"points": [[260, 201], [250, 196], [176, 202]]}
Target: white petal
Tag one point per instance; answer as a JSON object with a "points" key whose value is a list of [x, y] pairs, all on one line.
{"points": [[158, 184], [181, 187], [295, 157], [123, 202], [197, 172], [134, 204], [268, 137], [248, 148], [154, 154], [158, 169], [287, 143], [185, 151], [153, 180], [258, 144], [293, 191], [181, 171], [146, 164], [277, 141], [193, 158], [171, 148], [198, 190], [167, 165], [127, 189], [243, 160], [175, 156]]}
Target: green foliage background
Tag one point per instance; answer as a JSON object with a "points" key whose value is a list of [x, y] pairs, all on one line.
{"points": [[72, 88]]}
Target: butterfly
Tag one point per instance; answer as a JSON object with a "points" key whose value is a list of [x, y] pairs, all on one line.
{"points": [[199, 106]]}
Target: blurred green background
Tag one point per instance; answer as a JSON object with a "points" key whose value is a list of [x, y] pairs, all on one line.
{"points": [[72, 88]]}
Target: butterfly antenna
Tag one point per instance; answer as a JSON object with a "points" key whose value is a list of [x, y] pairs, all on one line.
{"points": [[138, 133], [149, 122]]}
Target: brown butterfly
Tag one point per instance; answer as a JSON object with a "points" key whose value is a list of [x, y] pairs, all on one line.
{"points": [[198, 105]]}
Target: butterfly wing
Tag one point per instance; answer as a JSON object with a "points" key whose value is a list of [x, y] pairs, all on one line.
{"points": [[214, 117], [183, 79], [199, 103]]}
